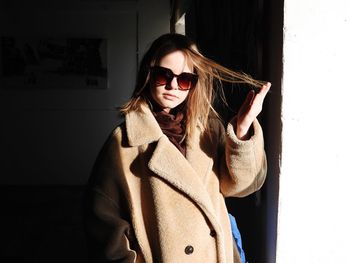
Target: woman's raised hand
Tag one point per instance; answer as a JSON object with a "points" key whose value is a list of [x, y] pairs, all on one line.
{"points": [[250, 109]]}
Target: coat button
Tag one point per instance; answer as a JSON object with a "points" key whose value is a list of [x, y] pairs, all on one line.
{"points": [[189, 250], [212, 233]]}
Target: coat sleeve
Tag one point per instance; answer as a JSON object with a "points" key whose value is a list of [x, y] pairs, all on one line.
{"points": [[243, 164], [106, 219]]}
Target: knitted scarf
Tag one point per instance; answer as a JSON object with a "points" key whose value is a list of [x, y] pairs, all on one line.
{"points": [[173, 126]]}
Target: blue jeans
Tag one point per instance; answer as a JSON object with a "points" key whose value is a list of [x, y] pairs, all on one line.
{"points": [[237, 237]]}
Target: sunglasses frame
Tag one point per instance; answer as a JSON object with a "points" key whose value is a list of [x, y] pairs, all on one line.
{"points": [[170, 75]]}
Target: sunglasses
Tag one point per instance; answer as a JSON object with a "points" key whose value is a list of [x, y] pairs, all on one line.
{"points": [[164, 76]]}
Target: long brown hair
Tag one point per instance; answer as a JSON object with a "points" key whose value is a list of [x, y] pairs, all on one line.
{"points": [[199, 100]]}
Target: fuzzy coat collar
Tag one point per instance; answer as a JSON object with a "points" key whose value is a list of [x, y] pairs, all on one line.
{"points": [[142, 127]]}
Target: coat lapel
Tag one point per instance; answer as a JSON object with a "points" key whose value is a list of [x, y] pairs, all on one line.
{"points": [[142, 127], [169, 164], [198, 158]]}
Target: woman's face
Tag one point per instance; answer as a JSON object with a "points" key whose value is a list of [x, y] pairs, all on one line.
{"points": [[170, 96]]}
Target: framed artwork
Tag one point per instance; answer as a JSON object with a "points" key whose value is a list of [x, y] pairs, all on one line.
{"points": [[53, 63]]}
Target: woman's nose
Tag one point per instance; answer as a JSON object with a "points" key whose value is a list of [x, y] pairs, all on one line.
{"points": [[173, 84]]}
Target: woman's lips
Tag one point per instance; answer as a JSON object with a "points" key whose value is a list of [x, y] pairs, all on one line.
{"points": [[171, 96]]}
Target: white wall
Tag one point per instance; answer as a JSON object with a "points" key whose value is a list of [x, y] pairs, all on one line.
{"points": [[313, 218], [53, 136]]}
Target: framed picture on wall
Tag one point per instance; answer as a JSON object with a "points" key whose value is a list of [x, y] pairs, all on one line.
{"points": [[53, 63]]}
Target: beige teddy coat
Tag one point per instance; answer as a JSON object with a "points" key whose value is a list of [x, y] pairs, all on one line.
{"points": [[146, 202]]}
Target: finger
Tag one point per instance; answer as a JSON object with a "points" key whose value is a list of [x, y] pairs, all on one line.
{"points": [[248, 101], [265, 89], [259, 98], [251, 97]]}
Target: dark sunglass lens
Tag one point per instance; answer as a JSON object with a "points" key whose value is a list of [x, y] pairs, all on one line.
{"points": [[160, 77], [186, 81]]}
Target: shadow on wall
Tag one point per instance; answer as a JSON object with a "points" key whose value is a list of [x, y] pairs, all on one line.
{"points": [[42, 224]]}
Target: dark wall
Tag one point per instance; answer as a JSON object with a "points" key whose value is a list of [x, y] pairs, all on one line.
{"points": [[53, 120], [272, 121], [50, 137], [42, 224]]}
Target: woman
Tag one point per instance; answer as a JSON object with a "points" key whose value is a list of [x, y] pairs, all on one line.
{"points": [[156, 193]]}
